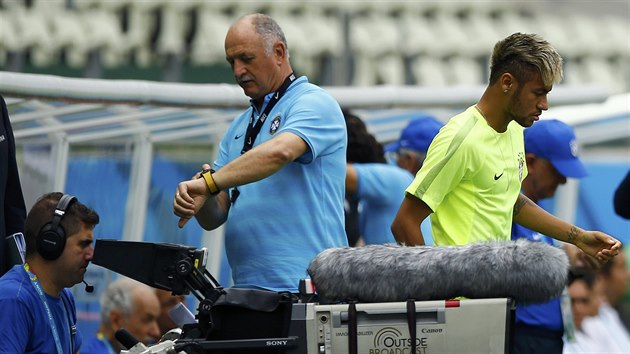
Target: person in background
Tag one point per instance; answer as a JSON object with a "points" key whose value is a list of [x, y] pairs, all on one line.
{"points": [[614, 277], [38, 311], [410, 150], [167, 302], [374, 188], [278, 180], [12, 208], [621, 200], [362, 148], [471, 178], [584, 306], [551, 156], [126, 304]]}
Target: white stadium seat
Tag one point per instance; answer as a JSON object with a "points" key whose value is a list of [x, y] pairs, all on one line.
{"points": [[376, 40], [71, 36], [393, 42], [208, 41], [430, 71]]}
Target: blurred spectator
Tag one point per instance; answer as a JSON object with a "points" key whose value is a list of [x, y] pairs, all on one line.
{"points": [[12, 209], [374, 188], [595, 333], [410, 150], [585, 306], [622, 198], [362, 148], [126, 304], [614, 277], [551, 158], [167, 302]]}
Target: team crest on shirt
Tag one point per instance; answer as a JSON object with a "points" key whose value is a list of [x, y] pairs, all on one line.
{"points": [[521, 164], [275, 124]]}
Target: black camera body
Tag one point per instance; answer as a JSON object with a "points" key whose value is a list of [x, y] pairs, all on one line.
{"points": [[228, 320]]}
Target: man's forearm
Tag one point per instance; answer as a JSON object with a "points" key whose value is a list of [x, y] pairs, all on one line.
{"points": [[406, 233], [261, 161], [530, 215], [214, 212]]}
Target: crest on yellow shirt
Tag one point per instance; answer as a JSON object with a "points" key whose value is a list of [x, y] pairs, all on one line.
{"points": [[521, 164]]}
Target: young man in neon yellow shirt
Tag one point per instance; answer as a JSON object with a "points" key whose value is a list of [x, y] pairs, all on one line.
{"points": [[472, 175]]}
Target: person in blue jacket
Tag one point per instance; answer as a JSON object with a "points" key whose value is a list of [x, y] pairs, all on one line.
{"points": [[551, 156]]}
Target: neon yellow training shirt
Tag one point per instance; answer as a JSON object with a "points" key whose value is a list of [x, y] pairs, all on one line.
{"points": [[470, 179]]}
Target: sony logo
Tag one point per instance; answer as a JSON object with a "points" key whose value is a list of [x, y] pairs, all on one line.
{"points": [[276, 343]]}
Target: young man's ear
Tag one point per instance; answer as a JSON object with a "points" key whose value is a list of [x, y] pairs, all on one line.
{"points": [[507, 81]]}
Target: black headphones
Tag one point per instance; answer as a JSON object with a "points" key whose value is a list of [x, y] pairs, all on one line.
{"points": [[51, 239]]}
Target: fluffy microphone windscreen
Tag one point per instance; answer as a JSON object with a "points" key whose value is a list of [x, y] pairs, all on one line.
{"points": [[529, 272]]}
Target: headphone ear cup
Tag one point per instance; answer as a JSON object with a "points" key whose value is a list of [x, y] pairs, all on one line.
{"points": [[51, 242]]}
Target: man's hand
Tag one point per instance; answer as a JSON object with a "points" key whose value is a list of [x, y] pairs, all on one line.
{"points": [[578, 258], [599, 245], [189, 198]]}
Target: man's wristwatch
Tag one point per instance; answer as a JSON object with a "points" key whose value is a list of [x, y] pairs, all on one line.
{"points": [[212, 186]]}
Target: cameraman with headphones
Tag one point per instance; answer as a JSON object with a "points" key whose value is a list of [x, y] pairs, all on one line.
{"points": [[38, 312]]}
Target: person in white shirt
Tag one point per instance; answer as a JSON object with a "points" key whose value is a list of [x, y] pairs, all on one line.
{"points": [[598, 328], [585, 306], [614, 277]]}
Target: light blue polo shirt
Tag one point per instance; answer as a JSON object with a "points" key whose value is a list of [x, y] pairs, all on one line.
{"points": [[279, 224], [381, 190]]}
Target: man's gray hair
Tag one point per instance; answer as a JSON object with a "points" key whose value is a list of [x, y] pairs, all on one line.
{"points": [[119, 297], [269, 31]]}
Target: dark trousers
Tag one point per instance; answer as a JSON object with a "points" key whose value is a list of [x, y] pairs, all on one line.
{"points": [[529, 339]]}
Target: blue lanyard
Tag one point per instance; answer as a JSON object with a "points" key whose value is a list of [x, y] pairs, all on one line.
{"points": [[42, 297]]}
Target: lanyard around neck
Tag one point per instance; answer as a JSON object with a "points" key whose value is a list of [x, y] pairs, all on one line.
{"points": [[254, 129], [42, 297]]}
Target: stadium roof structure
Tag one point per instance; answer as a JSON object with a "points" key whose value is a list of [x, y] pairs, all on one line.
{"points": [[96, 109]]}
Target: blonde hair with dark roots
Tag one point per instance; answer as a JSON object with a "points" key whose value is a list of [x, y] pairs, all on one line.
{"points": [[524, 55]]}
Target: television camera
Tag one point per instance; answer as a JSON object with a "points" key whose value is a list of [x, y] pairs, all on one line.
{"points": [[345, 319]]}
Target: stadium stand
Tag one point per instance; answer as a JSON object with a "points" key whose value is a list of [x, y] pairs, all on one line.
{"points": [[345, 42]]}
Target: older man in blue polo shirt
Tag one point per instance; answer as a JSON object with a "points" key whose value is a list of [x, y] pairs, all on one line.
{"points": [[278, 180], [551, 157]]}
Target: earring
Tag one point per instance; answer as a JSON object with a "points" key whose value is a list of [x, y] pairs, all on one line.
{"points": [[505, 91]]}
